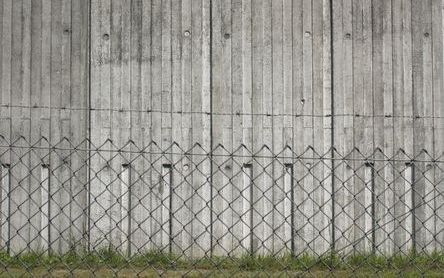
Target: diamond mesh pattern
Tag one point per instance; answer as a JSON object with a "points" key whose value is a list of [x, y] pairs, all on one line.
{"points": [[151, 210]]}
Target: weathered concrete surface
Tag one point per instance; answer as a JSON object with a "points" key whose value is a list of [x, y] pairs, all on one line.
{"points": [[229, 72]]}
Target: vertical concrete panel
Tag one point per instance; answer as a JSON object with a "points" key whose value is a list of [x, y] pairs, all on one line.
{"points": [[99, 218], [19, 127], [202, 228], [119, 120], [421, 90], [221, 189], [343, 122], [322, 125], [42, 128], [236, 109], [404, 145], [247, 125], [246, 209], [156, 118], [79, 27], [124, 201], [165, 214], [438, 123], [257, 18], [185, 191], [278, 131], [439, 126], [369, 212], [137, 187], [427, 197], [56, 163], [287, 111], [166, 124], [142, 211], [267, 123], [6, 76], [398, 122], [298, 123], [178, 184], [327, 76], [35, 95], [44, 214], [383, 201], [5, 208], [409, 205]]}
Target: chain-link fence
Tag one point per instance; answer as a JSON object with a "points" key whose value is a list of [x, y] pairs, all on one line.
{"points": [[150, 209]]}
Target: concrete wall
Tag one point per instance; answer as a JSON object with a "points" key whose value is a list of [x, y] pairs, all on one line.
{"points": [[44, 93], [388, 81], [297, 76], [271, 73], [150, 80]]}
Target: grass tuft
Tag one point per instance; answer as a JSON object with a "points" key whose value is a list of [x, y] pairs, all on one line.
{"points": [[166, 262]]}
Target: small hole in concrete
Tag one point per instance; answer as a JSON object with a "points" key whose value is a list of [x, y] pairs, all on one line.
{"points": [[187, 33], [227, 36], [106, 37]]}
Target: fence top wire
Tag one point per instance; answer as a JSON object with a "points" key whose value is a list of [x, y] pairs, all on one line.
{"points": [[237, 113], [242, 151]]}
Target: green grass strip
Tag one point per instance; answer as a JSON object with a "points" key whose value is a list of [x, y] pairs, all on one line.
{"points": [[161, 261]]}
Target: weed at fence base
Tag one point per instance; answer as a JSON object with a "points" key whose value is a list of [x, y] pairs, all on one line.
{"points": [[157, 261]]}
